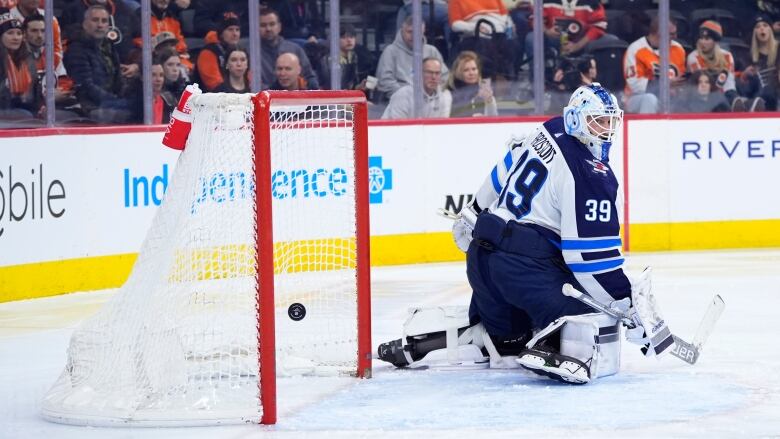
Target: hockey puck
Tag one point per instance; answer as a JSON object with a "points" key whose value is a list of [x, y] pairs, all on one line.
{"points": [[296, 311]]}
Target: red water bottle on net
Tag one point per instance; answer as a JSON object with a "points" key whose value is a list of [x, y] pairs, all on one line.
{"points": [[181, 120]]}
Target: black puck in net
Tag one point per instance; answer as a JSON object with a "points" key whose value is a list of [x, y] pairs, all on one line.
{"points": [[296, 311]]}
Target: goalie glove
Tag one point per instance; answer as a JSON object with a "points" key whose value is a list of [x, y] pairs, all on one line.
{"points": [[646, 315], [464, 226]]}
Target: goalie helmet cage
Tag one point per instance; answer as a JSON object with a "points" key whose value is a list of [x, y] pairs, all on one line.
{"points": [[256, 265]]}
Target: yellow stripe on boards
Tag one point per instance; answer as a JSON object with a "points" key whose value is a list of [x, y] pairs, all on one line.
{"points": [[83, 274], [414, 248], [710, 235], [57, 277]]}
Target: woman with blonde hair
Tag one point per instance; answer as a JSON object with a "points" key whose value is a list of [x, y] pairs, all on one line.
{"points": [[760, 78], [713, 59], [471, 94]]}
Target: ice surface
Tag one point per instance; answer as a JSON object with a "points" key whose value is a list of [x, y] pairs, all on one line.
{"points": [[734, 390]]}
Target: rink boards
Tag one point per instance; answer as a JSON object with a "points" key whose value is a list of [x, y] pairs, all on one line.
{"points": [[75, 204]]}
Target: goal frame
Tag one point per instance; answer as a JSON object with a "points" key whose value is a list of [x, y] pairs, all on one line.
{"points": [[262, 103]]}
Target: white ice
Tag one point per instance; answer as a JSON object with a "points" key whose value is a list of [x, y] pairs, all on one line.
{"points": [[733, 391]]}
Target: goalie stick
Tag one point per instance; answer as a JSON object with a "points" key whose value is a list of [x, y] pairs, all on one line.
{"points": [[688, 352]]}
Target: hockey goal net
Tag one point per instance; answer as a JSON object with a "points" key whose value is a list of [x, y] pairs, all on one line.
{"points": [[256, 265]]}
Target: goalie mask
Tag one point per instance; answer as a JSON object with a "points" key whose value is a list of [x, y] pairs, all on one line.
{"points": [[593, 117]]}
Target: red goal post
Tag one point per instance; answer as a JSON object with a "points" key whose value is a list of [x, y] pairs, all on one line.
{"points": [[263, 104]]}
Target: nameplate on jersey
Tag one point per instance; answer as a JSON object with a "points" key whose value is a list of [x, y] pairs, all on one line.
{"points": [[543, 147]]}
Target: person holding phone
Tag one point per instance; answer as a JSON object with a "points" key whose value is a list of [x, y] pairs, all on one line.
{"points": [[472, 95]]}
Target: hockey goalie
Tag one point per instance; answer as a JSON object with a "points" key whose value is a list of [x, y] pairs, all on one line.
{"points": [[545, 216]]}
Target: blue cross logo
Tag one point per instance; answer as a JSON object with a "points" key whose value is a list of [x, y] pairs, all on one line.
{"points": [[379, 179]]}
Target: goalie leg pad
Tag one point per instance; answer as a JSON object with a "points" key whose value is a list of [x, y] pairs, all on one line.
{"points": [[435, 337], [441, 337], [590, 340]]}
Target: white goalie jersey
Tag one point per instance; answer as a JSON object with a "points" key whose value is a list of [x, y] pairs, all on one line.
{"points": [[552, 182]]}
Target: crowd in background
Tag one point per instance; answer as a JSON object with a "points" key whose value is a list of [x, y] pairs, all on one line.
{"points": [[477, 55]]}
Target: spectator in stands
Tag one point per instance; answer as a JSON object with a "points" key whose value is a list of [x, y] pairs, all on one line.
{"points": [[716, 61], [18, 97], [103, 87], [175, 81], [464, 15], [570, 26], [520, 11], [760, 78], [395, 64], [641, 68], [34, 36], [236, 72], [210, 15], [436, 103], [288, 73], [588, 71], [165, 21], [163, 101], [570, 75], [357, 62], [124, 25], [27, 8], [702, 95], [305, 24], [440, 15], [273, 45], [165, 42], [212, 57], [495, 44], [471, 95]]}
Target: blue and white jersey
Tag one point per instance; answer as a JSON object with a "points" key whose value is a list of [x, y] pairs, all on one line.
{"points": [[552, 182]]}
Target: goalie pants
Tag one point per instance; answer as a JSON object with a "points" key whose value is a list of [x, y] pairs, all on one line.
{"points": [[517, 275]]}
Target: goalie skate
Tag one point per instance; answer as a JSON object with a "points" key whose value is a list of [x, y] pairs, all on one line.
{"points": [[554, 365]]}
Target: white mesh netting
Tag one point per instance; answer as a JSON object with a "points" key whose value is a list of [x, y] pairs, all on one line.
{"points": [[177, 345]]}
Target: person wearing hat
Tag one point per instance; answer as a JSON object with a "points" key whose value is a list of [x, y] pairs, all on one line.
{"points": [[716, 61], [165, 26], [760, 78], [105, 90], [18, 78], [213, 56]]}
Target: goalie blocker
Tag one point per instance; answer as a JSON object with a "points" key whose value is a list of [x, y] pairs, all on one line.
{"points": [[573, 349]]}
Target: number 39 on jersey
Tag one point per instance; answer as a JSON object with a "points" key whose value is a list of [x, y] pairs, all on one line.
{"points": [[598, 210]]}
